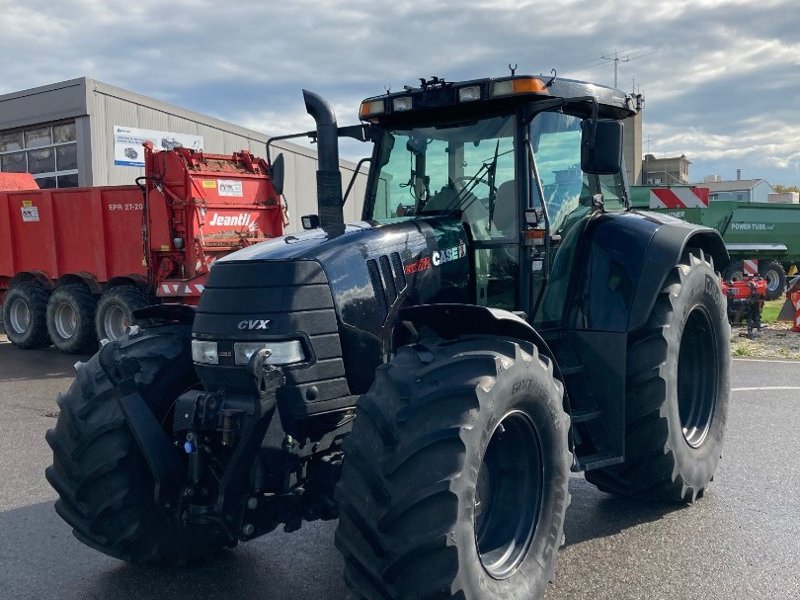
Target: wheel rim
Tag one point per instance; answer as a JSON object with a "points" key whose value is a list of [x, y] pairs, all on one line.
{"points": [[697, 377], [773, 280], [509, 495], [115, 322], [20, 315], [65, 320]]}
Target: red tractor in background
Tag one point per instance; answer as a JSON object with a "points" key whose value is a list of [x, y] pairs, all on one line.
{"points": [[746, 299], [75, 263]]}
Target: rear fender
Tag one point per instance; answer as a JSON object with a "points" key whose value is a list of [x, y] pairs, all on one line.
{"points": [[670, 245], [625, 261], [623, 264]]}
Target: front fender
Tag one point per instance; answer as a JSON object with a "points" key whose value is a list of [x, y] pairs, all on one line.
{"points": [[450, 321]]}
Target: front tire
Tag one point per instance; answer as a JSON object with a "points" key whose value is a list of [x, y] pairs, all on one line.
{"points": [[677, 392], [455, 475], [104, 485]]}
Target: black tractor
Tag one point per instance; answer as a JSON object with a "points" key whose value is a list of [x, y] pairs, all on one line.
{"points": [[430, 375]]}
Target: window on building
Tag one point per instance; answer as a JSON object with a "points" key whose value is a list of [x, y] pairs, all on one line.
{"points": [[49, 152]]}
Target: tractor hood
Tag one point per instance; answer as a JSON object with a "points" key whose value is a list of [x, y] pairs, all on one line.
{"points": [[337, 290], [368, 263]]}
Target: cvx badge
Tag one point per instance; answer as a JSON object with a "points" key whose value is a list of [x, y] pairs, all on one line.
{"points": [[254, 324]]}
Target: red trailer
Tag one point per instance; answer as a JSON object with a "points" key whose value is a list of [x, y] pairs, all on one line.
{"points": [[75, 263]]}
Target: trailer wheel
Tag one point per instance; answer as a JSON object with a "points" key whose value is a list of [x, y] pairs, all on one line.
{"points": [[105, 487], [773, 272], [677, 392], [70, 319], [25, 315], [115, 310], [455, 474], [734, 271]]}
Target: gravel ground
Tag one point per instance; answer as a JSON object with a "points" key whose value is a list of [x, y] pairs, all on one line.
{"points": [[774, 340]]}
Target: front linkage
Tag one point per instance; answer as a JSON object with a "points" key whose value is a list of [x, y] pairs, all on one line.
{"points": [[242, 471]]}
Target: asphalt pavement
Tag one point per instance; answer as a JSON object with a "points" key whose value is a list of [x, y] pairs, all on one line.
{"points": [[741, 541]]}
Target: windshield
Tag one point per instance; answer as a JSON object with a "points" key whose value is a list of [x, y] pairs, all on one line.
{"points": [[466, 169]]}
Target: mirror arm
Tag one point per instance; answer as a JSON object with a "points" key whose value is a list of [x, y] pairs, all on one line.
{"points": [[366, 132], [277, 138]]}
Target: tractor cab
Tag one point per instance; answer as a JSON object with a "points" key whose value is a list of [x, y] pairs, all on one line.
{"points": [[516, 160]]}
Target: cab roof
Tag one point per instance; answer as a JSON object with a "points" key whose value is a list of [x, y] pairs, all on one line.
{"points": [[486, 94]]}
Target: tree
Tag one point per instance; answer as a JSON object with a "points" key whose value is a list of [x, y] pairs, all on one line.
{"points": [[780, 188]]}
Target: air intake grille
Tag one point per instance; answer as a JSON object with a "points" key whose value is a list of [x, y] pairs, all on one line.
{"points": [[388, 281], [399, 273], [377, 287]]}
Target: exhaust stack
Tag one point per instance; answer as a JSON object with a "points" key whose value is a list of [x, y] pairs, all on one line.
{"points": [[329, 178]]}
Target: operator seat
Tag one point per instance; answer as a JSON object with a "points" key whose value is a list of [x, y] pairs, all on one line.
{"points": [[505, 209]]}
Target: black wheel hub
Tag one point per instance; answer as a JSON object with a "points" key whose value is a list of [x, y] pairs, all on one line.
{"points": [[509, 495], [697, 377]]}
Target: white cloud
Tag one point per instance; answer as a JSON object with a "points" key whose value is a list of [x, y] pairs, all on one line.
{"points": [[722, 82]]}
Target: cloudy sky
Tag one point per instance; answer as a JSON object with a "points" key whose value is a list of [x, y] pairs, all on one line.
{"points": [[721, 78]]}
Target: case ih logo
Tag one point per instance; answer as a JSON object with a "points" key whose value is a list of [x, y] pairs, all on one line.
{"points": [[240, 220], [454, 253], [437, 258]]}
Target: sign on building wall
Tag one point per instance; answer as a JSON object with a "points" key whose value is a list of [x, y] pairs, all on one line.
{"points": [[128, 151]]}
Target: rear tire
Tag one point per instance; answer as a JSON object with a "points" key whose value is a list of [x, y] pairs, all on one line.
{"points": [[773, 272], [70, 319], [114, 313], [455, 474], [104, 484], [677, 392], [25, 315]]}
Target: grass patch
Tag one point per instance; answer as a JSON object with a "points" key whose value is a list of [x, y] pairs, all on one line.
{"points": [[771, 310], [742, 351]]}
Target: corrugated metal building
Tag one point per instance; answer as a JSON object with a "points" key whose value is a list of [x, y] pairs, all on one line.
{"points": [[83, 132]]}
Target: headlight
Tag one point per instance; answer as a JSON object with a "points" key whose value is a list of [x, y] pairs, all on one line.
{"points": [[469, 93], [401, 104], [205, 352], [283, 353]]}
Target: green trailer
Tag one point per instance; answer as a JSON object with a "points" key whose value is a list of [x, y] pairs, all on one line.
{"points": [[761, 238]]}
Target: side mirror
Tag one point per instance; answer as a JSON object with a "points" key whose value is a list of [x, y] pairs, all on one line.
{"points": [[276, 174], [601, 147]]}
